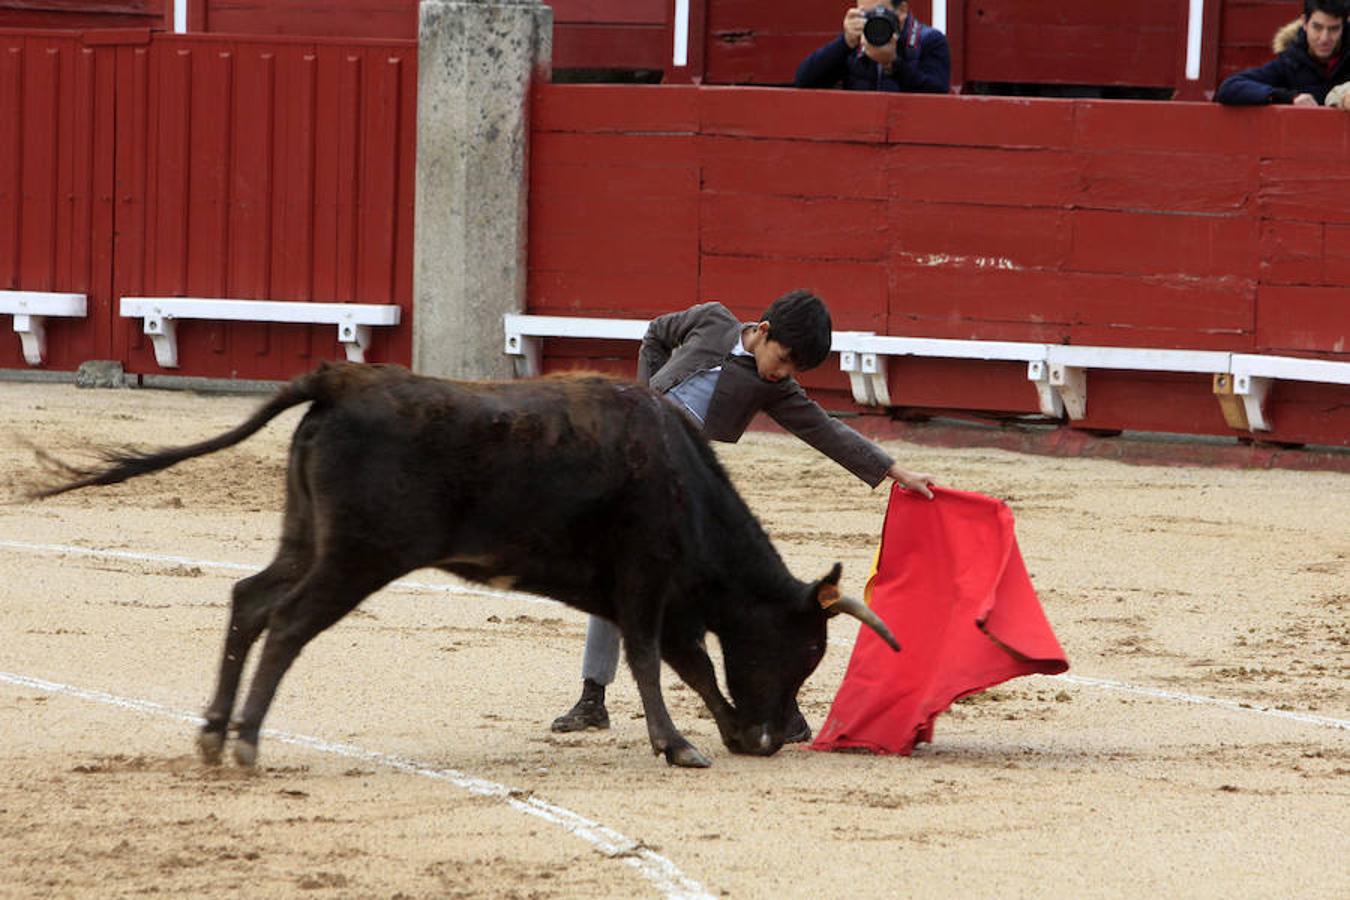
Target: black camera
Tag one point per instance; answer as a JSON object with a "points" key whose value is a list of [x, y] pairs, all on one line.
{"points": [[880, 26]]}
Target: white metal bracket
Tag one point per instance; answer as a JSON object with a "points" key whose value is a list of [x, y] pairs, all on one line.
{"points": [[31, 309], [355, 338], [525, 351], [1253, 390], [866, 377], [32, 332], [164, 335], [1051, 404], [874, 370], [1070, 382]]}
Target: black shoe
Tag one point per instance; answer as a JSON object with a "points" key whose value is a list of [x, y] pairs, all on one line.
{"points": [[589, 712], [798, 732], [586, 715]]}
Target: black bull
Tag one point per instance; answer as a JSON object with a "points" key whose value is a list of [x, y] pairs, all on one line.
{"points": [[595, 492]]}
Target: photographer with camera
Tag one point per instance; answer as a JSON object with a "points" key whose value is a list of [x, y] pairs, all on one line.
{"points": [[882, 47]]}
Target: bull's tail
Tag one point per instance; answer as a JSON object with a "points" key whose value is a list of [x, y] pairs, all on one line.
{"points": [[121, 465]]}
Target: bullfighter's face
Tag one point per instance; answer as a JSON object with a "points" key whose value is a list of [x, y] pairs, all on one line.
{"points": [[1324, 34], [773, 361]]}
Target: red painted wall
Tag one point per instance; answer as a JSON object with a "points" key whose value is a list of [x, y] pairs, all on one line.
{"points": [[756, 43], [272, 170], [1047, 41], [197, 166], [395, 19], [56, 229], [1247, 30], [745, 42], [1138, 44], [86, 14], [1083, 222], [610, 34], [587, 34]]}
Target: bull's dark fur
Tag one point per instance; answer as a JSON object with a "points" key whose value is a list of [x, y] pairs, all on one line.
{"points": [[592, 491]]}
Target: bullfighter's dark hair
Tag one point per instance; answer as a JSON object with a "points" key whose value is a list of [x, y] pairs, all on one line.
{"points": [[800, 321], [1338, 8]]}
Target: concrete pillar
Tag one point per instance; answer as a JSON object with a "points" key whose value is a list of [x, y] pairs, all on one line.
{"points": [[476, 60]]}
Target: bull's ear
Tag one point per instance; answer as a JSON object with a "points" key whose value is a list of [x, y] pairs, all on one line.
{"points": [[826, 590]]}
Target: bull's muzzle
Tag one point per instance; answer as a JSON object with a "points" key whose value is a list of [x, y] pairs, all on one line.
{"points": [[757, 740]]}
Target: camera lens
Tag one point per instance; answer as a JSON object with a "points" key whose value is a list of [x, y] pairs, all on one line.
{"points": [[878, 30]]}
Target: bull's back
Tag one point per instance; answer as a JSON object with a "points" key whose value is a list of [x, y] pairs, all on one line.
{"points": [[548, 460]]}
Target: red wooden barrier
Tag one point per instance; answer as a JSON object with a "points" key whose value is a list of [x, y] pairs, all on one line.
{"points": [[82, 14], [267, 170], [1172, 225], [744, 42], [610, 34], [1247, 29], [587, 34], [1082, 43], [1138, 45], [197, 166], [56, 229], [393, 19]]}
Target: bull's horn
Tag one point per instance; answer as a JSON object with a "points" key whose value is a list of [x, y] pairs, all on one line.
{"points": [[851, 606]]}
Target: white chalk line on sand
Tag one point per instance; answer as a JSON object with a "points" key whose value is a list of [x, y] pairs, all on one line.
{"points": [[1100, 683], [663, 874], [133, 556], [1237, 706]]}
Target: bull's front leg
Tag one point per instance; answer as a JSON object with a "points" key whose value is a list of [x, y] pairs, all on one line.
{"points": [[689, 659], [642, 646]]}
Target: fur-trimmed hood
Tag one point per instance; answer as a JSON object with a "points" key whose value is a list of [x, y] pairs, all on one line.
{"points": [[1286, 36]]}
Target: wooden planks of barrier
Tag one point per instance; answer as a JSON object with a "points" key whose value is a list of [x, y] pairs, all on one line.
{"points": [[1129, 224]]}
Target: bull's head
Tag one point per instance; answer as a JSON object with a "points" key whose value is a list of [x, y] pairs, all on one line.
{"points": [[768, 660]]}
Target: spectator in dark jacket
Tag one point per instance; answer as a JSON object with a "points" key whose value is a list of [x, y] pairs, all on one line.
{"points": [[1311, 60], [916, 59]]}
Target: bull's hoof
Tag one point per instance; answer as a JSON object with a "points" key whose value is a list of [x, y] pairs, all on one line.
{"points": [[245, 754], [210, 744], [687, 757], [798, 732]]}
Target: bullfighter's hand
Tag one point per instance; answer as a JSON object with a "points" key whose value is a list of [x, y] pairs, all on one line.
{"points": [[885, 54], [853, 26], [1306, 100], [911, 481]]}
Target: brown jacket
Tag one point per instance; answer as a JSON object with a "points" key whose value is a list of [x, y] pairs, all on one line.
{"points": [[679, 344]]}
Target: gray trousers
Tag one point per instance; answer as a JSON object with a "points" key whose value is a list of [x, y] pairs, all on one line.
{"points": [[601, 660]]}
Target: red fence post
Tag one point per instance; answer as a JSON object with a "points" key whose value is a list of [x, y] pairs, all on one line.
{"points": [[1198, 56], [686, 41]]}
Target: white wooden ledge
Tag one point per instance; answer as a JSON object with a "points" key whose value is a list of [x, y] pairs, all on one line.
{"points": [[863, 356], [31, 310], [523, 332], [1252, 376], [1059, 372], [353, 320]]}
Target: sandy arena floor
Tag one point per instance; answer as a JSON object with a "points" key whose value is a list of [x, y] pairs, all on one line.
{"points": [[1198, 747]]}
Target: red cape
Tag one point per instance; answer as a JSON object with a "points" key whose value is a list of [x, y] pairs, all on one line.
{"points": [[951, 584]]}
